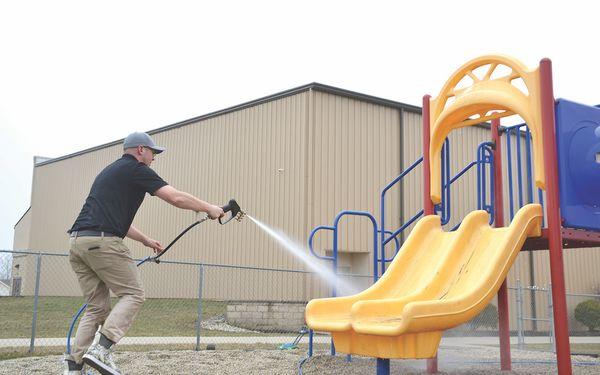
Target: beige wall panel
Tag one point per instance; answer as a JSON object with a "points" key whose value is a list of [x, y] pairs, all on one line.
{"points": [[255, 155], [22, 231], [582, 270], [59, 191], [22, 263], [355, 152], [412, 184]]}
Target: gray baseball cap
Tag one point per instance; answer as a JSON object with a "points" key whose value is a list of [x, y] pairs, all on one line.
{"points": [[141, 139]]}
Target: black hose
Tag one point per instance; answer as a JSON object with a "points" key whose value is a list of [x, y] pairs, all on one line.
{"points": [[155, 258]]}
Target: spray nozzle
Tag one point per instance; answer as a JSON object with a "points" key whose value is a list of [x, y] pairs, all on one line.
{"points": [[236, 211]]}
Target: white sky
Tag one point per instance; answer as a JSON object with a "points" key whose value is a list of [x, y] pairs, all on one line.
{"points": [[75, 74]]}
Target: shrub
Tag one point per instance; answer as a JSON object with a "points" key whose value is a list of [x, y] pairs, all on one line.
{"points": [[588, 314]]}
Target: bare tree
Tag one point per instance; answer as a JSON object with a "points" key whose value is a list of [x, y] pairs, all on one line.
{"points": [[5, 265]]}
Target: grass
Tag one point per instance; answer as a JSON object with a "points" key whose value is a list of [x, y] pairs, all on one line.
{"points": [[158, 317]]}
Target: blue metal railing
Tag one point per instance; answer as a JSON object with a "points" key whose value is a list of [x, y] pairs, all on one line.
{"points": [[443, 208], [334, 257], [484, 156], [519, 132], [335, 228], [485, 198], [395, 234], [485, 201]]}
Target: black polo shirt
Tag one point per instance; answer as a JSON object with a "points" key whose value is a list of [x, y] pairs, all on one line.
{"points": [[116, 195]]}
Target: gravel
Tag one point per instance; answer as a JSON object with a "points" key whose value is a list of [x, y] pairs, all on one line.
{"points": [[218, 323], [452, 360]]}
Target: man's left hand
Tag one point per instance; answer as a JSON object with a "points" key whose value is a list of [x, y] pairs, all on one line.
{"points": [[154, 244]]}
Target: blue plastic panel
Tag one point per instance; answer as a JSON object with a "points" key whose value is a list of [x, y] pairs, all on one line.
{"points": [[578, 143]]}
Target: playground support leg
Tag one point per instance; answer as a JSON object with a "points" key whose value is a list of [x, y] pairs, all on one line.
{"points": [[383, 366], [561, 325], [505, 360], [503, 317], [432, 367]]}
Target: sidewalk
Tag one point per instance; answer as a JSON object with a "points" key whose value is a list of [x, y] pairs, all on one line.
{"points": [[276, 340], [462, 341]]}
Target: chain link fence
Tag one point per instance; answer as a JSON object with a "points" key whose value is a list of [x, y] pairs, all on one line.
{"points": [[188, 304], [197, 305]]}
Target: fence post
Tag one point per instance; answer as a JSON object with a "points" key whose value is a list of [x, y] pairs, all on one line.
{"points": [[199, 321], [35, 301], [520, 333], [551, 318]]}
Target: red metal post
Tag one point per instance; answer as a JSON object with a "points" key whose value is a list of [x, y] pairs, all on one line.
{"points": [[503, 323], [561, 324], [432, 365], [427, 203]]}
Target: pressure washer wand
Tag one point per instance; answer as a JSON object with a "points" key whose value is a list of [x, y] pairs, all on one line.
{"points": [[232, 206]]}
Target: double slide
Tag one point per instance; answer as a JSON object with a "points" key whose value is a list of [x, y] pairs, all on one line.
{"points": [[438, 280]]}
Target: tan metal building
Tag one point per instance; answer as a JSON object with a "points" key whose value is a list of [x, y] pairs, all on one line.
{"points": [[293, 160]]}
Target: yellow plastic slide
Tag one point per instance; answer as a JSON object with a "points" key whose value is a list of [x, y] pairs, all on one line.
{"points": [[438, 280]]}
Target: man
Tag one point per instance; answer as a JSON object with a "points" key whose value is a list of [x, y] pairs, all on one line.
{"points": [[101, 260]]}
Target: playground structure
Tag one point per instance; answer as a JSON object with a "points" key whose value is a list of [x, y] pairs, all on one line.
{"points": [[438, 279]]}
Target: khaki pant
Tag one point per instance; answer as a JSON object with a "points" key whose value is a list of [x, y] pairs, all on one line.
{"points": [[104, 264]]}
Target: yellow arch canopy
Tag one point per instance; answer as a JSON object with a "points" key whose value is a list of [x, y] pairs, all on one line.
{"points": [[492, 92]]}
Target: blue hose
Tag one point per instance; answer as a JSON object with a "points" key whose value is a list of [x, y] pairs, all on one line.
{"points": [[301, 363]]}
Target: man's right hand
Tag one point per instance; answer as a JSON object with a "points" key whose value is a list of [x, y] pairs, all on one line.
{"points": [[215, 212], [187, 201]]}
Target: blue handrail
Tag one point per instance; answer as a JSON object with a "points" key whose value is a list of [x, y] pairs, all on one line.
{"points": [[335, 228], [519, 169], [396, 241], [511, 206], [335, 237], [404, 226], [310, 242], [382, 208], [519, 131], [484, 156], [444, 207], [529, 167]]}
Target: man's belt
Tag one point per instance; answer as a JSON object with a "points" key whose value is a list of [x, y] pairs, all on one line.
{"points": [[91, 233]]}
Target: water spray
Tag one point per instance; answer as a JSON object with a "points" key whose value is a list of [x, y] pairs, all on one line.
{"points": [[344, 287]]}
